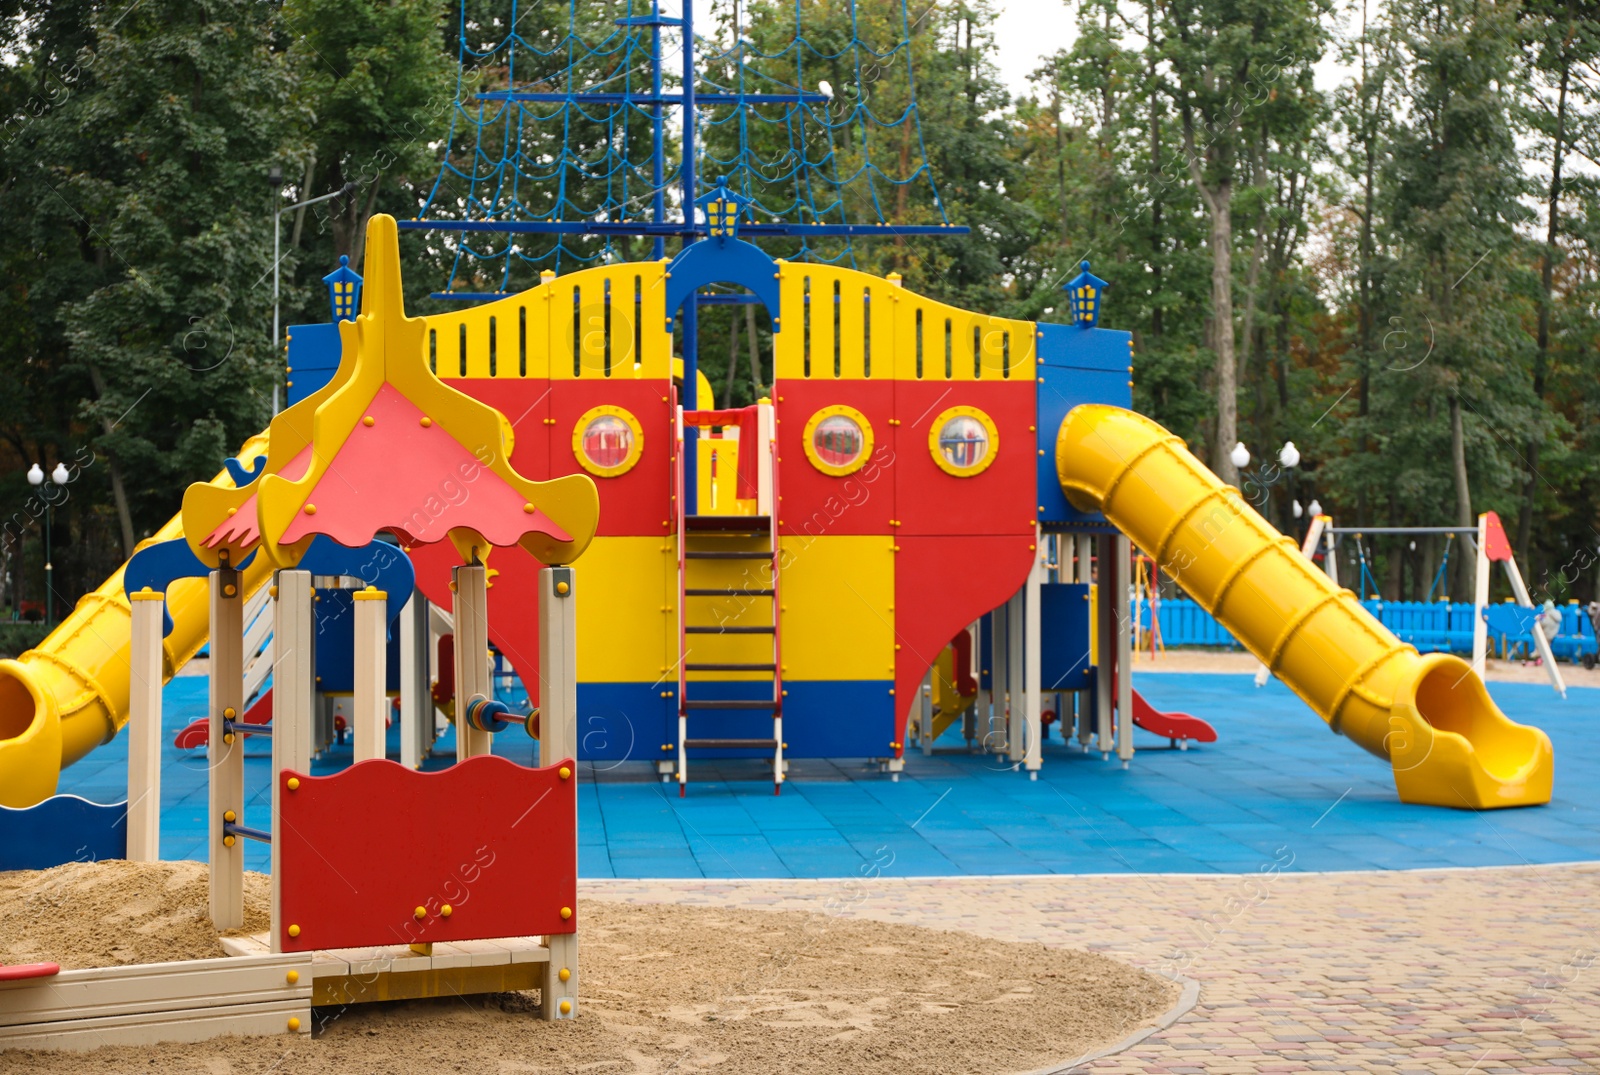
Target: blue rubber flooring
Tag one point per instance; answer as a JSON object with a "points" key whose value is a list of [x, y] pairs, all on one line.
{"points": [[1278, 788]]}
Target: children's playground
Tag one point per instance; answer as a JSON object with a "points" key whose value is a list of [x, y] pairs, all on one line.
{"points": [[505, 633]]}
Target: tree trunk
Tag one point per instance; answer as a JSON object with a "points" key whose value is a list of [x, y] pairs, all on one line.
{"points": [[1466, 568], [756, 383], [119, 492], [733, 357], [1219, 205], [1541, 359]]}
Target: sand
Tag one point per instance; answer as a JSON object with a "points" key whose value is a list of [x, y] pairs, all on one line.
{"points": [[102, 914], [665, 989]]}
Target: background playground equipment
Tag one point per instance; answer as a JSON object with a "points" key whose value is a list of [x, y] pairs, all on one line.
{"points": [[435, 869]]}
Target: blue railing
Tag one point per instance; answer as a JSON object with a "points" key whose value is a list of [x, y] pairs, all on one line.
{"points": [[1435, 626]]}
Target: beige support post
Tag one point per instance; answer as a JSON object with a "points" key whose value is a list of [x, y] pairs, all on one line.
{"points": [[144, 727], [1480, 599], [1124, 554], [558, 739], [1105, 633], [225, 750], [1547, 657], [416, 694], [1032, 655], [924, 712], [294, 692], [994, 741], [370, 700], [765, 437], [471, 615], [1016, 693]]}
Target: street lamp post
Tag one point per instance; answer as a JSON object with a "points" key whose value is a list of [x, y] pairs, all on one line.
{"points": [[277, 261], [36, 479]]}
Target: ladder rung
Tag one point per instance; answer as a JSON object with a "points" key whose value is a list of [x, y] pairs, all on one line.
{"points": [[715, 744], [730, 667], [734, 524], [700, 555], [728, 630], [724, 703], [729, 592]]}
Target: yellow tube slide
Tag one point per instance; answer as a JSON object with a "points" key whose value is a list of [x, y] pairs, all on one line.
{"points": [[1428, 716], [69, 695]]}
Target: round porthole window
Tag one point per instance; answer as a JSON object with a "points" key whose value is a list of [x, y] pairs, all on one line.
{"points": [[838, 440], [964, 441], [607, 441]]}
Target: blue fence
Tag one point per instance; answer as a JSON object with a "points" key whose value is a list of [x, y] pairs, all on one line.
{"points": [[1428, 626]]}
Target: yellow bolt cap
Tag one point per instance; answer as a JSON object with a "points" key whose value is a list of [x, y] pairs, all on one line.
{"points": [[565, 975], [446, 911], [228, 841], [294, 930], [294, 1021], [420, 913], [566, 1007], [292, 977], [565, 772], [229, 815], [566, 912], [562, 587], [368, 420], [294, 783], [311, 509]]}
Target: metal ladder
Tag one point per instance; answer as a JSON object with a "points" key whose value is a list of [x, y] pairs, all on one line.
{"points": [[711, 550]]}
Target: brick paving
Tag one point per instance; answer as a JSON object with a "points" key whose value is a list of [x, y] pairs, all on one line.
{"points": [[1407, 973]]}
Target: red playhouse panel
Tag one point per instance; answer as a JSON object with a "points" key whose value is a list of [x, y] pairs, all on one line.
{"points": [[634, 503], [1170, 725], [815, 503], [1001, 498], [513, 601], [526, 405], [942, 584], [487, 848], [1495, 544]]}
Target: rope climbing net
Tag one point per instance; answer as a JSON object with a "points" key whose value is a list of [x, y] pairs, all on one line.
{"points": [[568, 136]]}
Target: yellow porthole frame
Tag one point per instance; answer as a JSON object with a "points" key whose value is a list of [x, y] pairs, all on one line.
{"points": [[634, 453], [983, 420], [817, 419]]}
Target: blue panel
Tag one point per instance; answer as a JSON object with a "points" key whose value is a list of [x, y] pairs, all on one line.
{"points": [[1064, 636], [986, 651], [313, 358], [821, 719], [1076, 365], [625, 721], [336, 624], [62, 829]]}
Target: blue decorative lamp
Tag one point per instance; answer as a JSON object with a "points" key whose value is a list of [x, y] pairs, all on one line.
{"points": [[1084, 291], [723, 207], [344, 290]]}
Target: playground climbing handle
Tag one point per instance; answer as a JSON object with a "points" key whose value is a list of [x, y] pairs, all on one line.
{"points": [[68, 695], [1428, 716]]}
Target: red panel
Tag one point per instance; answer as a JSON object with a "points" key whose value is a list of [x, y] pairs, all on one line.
{"points": [[19, 971], [632, 504], [941, 584], [364, 848], [419, 481], [1000, 500], [1495, 544], [526, 405], [815, 503]]}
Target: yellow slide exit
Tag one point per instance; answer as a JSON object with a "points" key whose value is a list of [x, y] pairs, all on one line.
{"points": [[70, 694], [1428, 716]]}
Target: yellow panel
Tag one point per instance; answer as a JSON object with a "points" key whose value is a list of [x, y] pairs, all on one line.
{"points": [[723, 498], [532, 334], [1005, 347], [838, 602], [624, 630]]}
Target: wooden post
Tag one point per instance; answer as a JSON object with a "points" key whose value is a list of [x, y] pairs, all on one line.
{"points": [[226, 751], [1124, 554], [471, 615], [1032, 655], [294, 696], [924, 709], [416, 684], [144, 727], [370, 702], [558, 739], [1105, 634], [1016, 690], [1480, 598], [1000, 661]]}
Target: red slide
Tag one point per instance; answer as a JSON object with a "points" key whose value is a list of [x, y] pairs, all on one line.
{"points": [[1180, 728]]}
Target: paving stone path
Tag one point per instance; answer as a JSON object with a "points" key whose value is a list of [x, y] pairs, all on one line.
{"points": [[1426, 972]]}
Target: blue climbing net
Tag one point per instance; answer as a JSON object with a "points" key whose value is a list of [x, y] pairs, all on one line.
{"points": [[566, 143]]}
